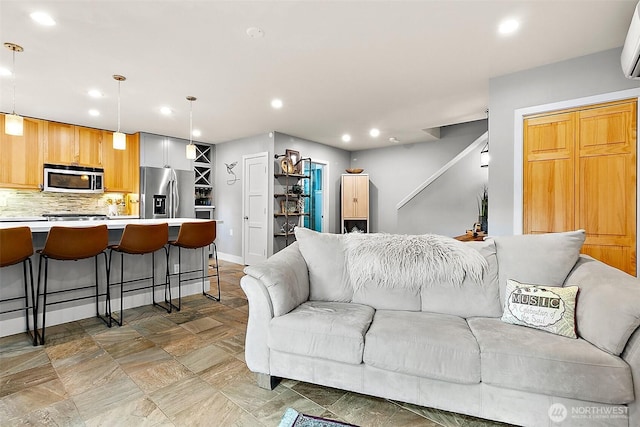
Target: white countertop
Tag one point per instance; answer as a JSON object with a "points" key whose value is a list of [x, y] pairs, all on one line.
{"points": [[112, 224]]}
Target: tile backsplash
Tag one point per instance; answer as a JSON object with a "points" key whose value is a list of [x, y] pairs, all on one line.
{"points": [[29, 203]]}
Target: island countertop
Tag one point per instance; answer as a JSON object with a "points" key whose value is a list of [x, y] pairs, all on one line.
{"points": [[112, 224]]}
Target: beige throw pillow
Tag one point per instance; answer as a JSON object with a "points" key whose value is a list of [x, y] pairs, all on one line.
{"points": [[548, 308]]}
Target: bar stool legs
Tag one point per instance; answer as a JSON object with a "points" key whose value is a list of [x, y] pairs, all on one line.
{"points": [[167, 290], [71, 244], [140, 239], [196, 235], [217, 275], [16, 247]]}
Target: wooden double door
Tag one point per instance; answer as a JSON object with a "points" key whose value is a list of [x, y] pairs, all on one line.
{"points": [[580, 173]]}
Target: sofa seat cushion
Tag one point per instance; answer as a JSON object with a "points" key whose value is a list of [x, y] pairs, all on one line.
{"points": [[536, 361], [430, 345], [328, 330]]}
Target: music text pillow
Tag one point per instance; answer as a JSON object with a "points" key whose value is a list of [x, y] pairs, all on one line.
{"points": [[548, 308]]}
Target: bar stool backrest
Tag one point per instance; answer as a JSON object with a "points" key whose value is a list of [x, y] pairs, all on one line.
{"points": [[16, 245], [196, 234], [143, 238], [71, 243]]}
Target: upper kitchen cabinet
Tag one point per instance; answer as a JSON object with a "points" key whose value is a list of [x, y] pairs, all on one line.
{"points": [[21, 156], [65, 144], [159, 151], [122, 167]]}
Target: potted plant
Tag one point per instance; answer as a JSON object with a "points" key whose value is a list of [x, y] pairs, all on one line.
{"points": [[483, 210]]}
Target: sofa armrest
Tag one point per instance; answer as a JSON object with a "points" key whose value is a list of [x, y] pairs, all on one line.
{"points": [[286, 278], [273, 288], [608, 307], [631, 355], [256, 351]]}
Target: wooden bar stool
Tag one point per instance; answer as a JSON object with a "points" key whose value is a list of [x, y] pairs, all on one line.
{"points": [[141, 239], [196, 235], [72, 244], [16, 247]]}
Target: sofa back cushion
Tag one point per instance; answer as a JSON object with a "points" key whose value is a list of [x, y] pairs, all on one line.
{"points": [[470, 298], [324, 254], [537, 259]]}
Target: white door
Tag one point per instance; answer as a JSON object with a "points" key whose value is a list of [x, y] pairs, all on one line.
{"points": [[255, 188]]}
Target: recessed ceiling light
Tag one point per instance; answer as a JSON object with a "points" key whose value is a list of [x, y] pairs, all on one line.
{"points": [[508, 26], [196, 133], [255, 32], [165, 110], [394, 140], [5, 72], [276, 103], [94, 112], [95, 93], [43, 18], [374, 132], [346, 137]]}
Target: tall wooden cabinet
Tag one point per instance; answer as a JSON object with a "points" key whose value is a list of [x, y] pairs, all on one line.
{"points": [[122, 167], [580, 173], [355, 203]]}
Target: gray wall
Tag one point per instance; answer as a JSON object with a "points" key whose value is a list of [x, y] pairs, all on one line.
{"points": [[589, 75], [228, 197], [448, 206]]}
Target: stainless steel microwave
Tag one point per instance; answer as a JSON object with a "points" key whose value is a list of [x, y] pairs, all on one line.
{"points": [[73, 179]]}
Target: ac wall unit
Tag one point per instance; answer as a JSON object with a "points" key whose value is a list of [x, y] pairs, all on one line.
{"points": [[630, 57]]}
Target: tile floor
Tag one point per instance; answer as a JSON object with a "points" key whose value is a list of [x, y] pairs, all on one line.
{"points": [[184, 369]]}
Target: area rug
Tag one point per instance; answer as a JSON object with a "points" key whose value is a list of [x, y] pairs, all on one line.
{"points": [[293, 418]]}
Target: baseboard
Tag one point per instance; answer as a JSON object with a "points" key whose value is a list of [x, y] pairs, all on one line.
{"points": [[230, 258]]}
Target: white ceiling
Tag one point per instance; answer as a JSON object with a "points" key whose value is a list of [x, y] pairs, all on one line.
{"points": [[339, 66]]}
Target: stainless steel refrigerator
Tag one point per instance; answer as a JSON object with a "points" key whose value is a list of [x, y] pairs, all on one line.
{"points": [[166, 193]]}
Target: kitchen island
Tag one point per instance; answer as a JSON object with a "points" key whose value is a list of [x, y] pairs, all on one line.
{"points": [[65, 275]]}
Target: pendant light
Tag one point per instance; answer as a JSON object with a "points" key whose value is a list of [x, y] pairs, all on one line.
{"points": [[13, 123], [119, 138], [191, 148]]}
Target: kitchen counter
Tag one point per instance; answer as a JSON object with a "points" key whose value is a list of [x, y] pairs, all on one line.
{"points": [[81, 273], [37, 226]]}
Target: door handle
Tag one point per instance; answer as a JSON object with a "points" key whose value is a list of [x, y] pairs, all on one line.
{"points": [[246, 217]]}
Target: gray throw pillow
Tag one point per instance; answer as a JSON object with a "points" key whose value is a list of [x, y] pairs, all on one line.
{"points": [[324, 254], [537, 259]]}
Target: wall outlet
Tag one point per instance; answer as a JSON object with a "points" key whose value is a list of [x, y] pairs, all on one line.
{"points": [[176, 268], [231, 232]]}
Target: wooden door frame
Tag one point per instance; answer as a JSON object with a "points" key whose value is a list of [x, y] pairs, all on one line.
{"points": [[518, 154]]}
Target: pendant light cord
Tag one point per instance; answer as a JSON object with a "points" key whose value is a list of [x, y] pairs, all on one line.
{"points": [[119, 105], [190, 121], [14, 81]]}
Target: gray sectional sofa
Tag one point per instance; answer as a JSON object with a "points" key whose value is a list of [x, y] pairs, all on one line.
{"points": [[445, 345]]}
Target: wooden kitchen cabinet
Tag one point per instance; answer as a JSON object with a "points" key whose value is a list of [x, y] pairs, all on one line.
{"points": [[21, 157], [122, 167], [66, 144], [89, 142], [355, 203]]}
